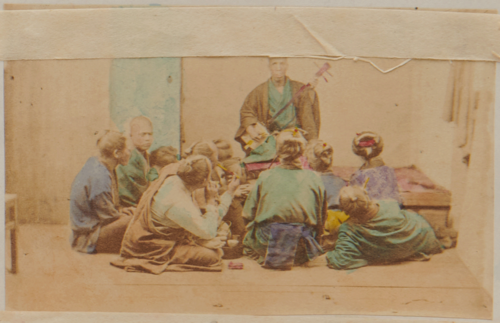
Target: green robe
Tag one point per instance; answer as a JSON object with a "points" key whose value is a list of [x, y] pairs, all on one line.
{"points": [[277, 100], [152, 174], [392, 235], [283, 196], [132, 179]]}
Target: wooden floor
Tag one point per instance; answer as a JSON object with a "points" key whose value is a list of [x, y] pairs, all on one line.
{"points": [[52, 277]]}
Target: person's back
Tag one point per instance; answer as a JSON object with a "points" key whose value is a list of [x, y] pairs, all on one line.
{"points": [[382, 182], [320, 158], [97, 221], [169, 232], [388, 235], [290, 196], [93, 180], [285, 209], [160, 158]]}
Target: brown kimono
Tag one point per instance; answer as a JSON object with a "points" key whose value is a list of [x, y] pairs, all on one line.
{"points": [[256, 109], [146, 249]]}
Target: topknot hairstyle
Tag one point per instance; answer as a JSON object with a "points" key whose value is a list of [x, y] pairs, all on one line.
{"points": [[290, 144], [367, 144], [110, 142], [194, 170], [317, 153], [163, 156], [354, 201]]}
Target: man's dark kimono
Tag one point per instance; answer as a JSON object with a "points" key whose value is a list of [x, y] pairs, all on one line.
{"points": [[256, 108]]}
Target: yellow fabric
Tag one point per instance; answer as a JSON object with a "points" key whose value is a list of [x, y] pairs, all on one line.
{"points": [[334, 220]]}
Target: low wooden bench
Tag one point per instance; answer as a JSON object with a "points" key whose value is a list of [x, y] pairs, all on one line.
{"points": [[418, 192]]}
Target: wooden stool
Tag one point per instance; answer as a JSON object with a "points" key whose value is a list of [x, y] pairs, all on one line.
{"points": [[11, 224]]}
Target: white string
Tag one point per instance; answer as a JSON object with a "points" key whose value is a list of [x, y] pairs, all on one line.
{"points": [[365, 60], [495, 54]]}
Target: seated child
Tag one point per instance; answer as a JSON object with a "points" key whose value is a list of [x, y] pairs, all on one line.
{"points": [[382, 183], [160, 158], [320, 158], [225, 151], [98, 223], [209, 150], [222, 174], [285, 209], [169, 232], [132, 178], [232, 167], [379, 232]]}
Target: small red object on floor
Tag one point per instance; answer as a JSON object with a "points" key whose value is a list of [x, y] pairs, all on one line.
{"points": [[235, 265]]}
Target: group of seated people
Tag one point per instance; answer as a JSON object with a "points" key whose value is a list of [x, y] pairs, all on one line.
{"points": [[161, 212]]}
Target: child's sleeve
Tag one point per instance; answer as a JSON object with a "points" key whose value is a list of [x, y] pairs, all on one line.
{"points": [[250, 207], [345, 255]]}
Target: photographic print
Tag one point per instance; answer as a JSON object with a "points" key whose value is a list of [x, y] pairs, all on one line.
{"points": [[250, 184]]}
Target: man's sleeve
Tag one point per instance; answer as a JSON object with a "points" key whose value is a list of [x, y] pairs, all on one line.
{"points": [[250, 207], [316, 114], [135, 170], [248, 112], [188, 217], [308, 114], [132, 182], [105, 209], [225, 203]]}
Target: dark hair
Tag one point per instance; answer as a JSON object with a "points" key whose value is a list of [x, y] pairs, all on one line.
{"points": [[314, 150], [194, 170], [163, 156], [290, 145], [110, 142], [373, 140], [225, 151], [291, 150], [230, 162], [354, 201], [204, 148]]}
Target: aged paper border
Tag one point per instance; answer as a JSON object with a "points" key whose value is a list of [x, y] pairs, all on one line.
{"points": [[297, 32], [129, 317]]}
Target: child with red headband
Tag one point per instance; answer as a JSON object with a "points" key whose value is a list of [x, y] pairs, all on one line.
{"points": [[382, 182]]}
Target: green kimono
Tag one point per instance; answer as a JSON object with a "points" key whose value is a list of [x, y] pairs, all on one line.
{"points": [[132, 179], [392, 235], [277, 100], [281, 195], [152, 174]]}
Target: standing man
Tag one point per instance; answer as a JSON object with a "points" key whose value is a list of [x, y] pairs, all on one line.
{"points": [[132, 178], [271, 96]]}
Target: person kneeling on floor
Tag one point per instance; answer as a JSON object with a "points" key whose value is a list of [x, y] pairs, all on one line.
{"points": [[160, 158], [169, 231], [285, 209], [98, 222], [379, 232]]}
